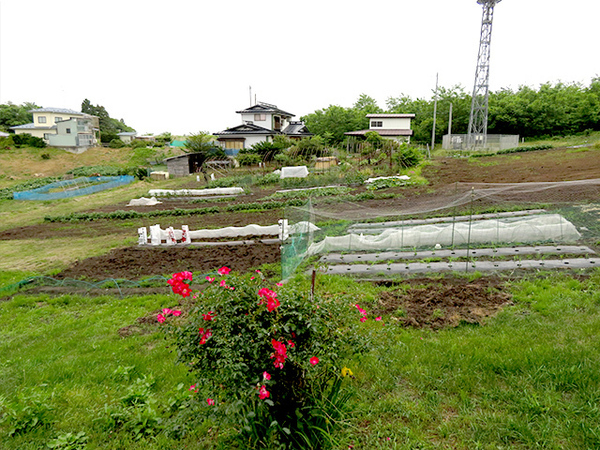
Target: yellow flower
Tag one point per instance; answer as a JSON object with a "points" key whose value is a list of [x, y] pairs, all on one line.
{"points": [[346, 371]]}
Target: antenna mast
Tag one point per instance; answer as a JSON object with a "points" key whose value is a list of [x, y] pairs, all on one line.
{"points": [[478, 119]]}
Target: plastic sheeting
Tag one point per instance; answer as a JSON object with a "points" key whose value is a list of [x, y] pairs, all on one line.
{"points": [[551, 227], [294, 172], [171, 236], [143, 202], [196, 192], [399, 177], [73, 188]]}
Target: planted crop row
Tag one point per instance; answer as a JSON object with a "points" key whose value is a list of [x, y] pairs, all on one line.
{"points": [[528, 148]]}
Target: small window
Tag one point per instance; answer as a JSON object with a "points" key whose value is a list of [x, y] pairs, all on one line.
{"points": [[57, 119], [41, 119], [376, 124], [68, 131], [260, 117], [46, 136]]}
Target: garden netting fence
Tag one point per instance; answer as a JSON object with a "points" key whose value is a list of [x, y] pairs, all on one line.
{"points": [[484, 226], [73, 188]]}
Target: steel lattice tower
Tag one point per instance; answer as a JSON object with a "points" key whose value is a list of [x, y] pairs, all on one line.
{"points": [[478, 119]]}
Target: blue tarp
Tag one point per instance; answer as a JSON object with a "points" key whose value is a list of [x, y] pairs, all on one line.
{"points": [[73, 188]]}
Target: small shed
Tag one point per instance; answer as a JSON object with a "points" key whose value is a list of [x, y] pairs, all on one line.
{"points": [[184, 165], [325, 162]]}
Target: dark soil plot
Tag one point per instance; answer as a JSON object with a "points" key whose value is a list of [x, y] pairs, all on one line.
{"points": [[443, 304], [134, 263]]}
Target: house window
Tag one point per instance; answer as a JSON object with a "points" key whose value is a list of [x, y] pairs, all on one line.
{"points": [[68, 131], [41, 119], [46, 136], [376, 124], [260, 117], [57, 119]]}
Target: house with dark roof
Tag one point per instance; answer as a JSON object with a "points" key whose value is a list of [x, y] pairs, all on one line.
{"points": [[260, 122], [391, 126], [63, 128]]}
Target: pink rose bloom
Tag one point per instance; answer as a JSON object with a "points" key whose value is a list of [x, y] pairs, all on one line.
{"points": [[210, 279], [222, 283], [363, 319], [176, 313], [224, 271], [266, 375], [160, 318], [263, 393], [314, 360], [210, 401], [167, 311], [193, 388], [279, 284], [378, 319]]}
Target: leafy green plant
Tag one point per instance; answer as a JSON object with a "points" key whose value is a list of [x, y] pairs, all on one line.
{"points": [[276, 355], [69, 441], [28, 412]]}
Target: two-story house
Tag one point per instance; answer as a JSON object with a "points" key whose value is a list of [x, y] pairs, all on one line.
{"points": [[64, 128], [391, 126], [260, 122]]}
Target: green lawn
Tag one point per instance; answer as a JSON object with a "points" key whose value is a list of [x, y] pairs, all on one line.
{"points": [[527, 379]]}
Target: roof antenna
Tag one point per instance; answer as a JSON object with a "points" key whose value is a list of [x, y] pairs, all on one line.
{"points": [[250, 87]]}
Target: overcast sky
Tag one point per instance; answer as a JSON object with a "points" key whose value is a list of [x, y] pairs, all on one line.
{"points": [[186, 65]]}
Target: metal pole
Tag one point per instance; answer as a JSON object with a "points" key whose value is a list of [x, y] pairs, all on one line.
{"points": [[450, 122], [434, 113]]}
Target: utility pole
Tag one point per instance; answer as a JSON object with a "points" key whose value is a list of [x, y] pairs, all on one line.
{"points": [[450, 122], [434, 113]]}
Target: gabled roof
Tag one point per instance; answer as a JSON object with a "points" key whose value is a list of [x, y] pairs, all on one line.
{"points": [[127, 133], [247, 128], [390, 116], [32, 126], [296, 129], [57, 111], [262, 107]]}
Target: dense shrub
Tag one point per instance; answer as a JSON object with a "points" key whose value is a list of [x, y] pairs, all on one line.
{"points": [[408, 156], [116, 143], [249, 159], [276, 357], [106, 137], [27, 140]]}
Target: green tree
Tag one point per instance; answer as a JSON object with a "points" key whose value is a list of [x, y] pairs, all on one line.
{"points": [[12, 115], [204, 144], [107, 123]]}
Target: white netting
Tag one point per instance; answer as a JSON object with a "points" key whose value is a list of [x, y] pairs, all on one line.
{"points": [[196, 192], [542, 228]]}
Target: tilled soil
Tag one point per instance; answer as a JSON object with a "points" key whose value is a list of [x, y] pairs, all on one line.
{"points": [[443, 304]]}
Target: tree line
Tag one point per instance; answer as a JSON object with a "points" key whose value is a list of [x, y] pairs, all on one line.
{"points": [[554, 109]]}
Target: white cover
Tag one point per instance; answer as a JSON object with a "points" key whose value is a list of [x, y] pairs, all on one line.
{"points": [[294, 172], [197, 192], [551, 227], [143, 202], [400, 177]]}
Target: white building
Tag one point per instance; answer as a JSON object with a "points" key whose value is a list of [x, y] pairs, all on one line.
{"points": [[391, 126]]}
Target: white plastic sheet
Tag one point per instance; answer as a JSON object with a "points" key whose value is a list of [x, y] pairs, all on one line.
{"points": [[551, 227], [143, 202], [196, 192], [294, 172], [399, 177]]}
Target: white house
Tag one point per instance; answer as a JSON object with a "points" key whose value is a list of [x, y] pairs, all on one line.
{"points": [[260, 122], [391, 126], [76, 133]]}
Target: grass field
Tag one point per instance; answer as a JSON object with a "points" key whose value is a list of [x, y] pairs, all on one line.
{"points": [[526, 379]]}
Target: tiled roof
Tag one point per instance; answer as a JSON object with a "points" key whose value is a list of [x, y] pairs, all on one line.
{"points": [[381, 132], [296, 129], [247, 128], [262, 107], [57, 111], [390, 116], [31, 126]]}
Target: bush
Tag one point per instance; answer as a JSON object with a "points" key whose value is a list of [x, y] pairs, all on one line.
{"points": [[107, 137], [248, 159], [276, 357], [27, 140], [116, 143], [6, 142], [408, 156]]}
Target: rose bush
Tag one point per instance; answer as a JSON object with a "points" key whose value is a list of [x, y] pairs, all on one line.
{"points": [[277, 355]]}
